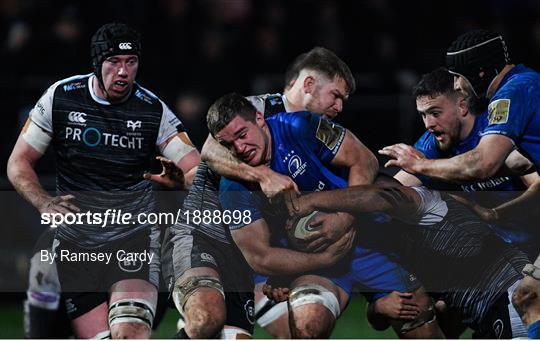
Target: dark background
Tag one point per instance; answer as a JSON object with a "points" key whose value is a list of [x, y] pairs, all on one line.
{"points": [[195, 51]]}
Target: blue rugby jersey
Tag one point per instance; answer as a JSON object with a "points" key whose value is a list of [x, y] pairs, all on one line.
{"points": [[303, 146], [502, 188], [514, 111]]}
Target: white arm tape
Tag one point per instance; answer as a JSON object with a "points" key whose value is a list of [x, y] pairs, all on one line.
{"points": [[36, 137], [176, 149]]}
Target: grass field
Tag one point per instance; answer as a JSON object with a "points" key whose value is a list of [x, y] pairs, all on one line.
{"points": [[351, 325]]}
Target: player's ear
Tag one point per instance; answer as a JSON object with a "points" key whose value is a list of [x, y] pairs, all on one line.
{"points": [[309, 84], [259, 119], [463, 106]]}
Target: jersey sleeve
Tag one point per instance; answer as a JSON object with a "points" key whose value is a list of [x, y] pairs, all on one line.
{"points": [[173, 141], [509, 112], [235, 196], [258, 102], [169, 126], [321, 136], [41, 113], [431, 210]]}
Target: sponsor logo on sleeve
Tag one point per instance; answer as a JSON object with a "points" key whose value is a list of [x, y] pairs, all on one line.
{"points": [[330, 134], [41, 109], [498, 111], [142, 96], [74, 86]]}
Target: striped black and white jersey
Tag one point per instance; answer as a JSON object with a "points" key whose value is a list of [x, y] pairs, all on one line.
{"points": [[102, 151], [458, 257]]}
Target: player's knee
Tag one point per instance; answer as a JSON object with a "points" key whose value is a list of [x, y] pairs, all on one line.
{"points": [[186, 289], [205, 315], [273, 317], [279, 333], [131, 318], [313, 321], [200, 299], [315, 310], [279, 329], [130, 330]]}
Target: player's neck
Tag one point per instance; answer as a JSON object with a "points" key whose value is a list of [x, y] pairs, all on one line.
{"points": [[467, 126], [498, 79]]}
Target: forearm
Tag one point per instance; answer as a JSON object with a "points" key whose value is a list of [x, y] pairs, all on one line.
{"points": [[357, 199], [24, 179], [189, 176], [362, 175], [280, 261], [361, 162], [226, 164], [462, 168], [522, 207]]}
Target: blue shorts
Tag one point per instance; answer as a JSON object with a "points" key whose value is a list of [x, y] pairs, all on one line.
{"points": [[376, 274]]}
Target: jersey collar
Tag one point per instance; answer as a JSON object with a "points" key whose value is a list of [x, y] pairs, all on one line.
{"points": [[99, 99], [285, 103]]}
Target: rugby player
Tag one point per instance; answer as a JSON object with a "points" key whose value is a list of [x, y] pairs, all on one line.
{"points": [[453, 129], [454, 253], [482, 67], [303, 146], [105, 129], [45, 316], [207, 287], [320, 81]]}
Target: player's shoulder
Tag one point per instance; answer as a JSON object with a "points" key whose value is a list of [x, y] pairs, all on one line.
{"points": [[70, 84], [524, 75], [296, 118], [294, 123], [518, 84], [272, 98], [145, 96], [268, 104]]}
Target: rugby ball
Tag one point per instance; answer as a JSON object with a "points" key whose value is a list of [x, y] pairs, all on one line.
{"points": [[302, 230]]}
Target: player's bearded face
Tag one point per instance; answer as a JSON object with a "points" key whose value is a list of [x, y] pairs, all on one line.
{"points": [[441, 118], [119, 73], [249, 141], [327, 97]]}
